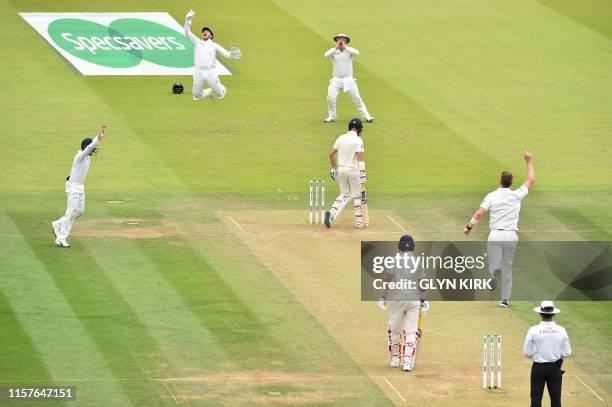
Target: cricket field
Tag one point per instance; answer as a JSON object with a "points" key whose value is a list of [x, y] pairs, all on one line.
{"points": [[194, 277]]}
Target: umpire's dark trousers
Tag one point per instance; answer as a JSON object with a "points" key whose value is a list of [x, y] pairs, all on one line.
{"points": [[551, 375]]}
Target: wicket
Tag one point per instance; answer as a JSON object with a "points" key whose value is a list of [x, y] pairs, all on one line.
{"points": [[318, 198], [489, 349]]}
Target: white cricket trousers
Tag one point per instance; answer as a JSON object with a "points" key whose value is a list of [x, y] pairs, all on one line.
{"points": [[500, 251], [348, 178], [403, 326], [205, 82], [348, 85], [75, 208]]}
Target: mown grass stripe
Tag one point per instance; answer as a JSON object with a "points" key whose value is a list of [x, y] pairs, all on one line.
{"points": [[47, 317]]}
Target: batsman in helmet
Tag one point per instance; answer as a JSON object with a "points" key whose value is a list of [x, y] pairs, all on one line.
{"points": [[348, 168], [406, 307]]}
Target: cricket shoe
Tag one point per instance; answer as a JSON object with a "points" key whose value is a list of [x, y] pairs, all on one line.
{"points": [[328, 219], [395, 361], [56, 228], [504, 303], [407, 366], [369, 119], [330, 119], [62, 243], [360, 225]]}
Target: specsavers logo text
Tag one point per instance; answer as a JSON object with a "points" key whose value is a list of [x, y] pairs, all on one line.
{"points": [[118, 43]]}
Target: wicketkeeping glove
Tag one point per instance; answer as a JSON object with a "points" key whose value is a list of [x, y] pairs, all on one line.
{"points": [[235, 53], [363, 177], [333, 173]]}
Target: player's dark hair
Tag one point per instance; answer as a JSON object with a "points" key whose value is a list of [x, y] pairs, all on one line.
{"points": [[547, 317], [506, 179]]}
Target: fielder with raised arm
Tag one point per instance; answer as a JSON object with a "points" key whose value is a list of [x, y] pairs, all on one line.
{"points": [[75, 188], [206, 81], [342, 78], [348, 168], [505, 206], [403, 330]]}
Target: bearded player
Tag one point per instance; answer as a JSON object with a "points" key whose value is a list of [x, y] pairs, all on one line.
{"points": [[348, 168], [403, 330], [75, 188], [206, 83]]}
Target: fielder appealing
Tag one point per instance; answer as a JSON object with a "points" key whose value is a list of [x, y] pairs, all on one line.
{"points": [[342, 78], [403, 329], [348, 168], [505, 206], [206, 81], [75, 189]]}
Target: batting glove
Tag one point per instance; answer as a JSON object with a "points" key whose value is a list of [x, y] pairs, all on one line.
{"points": [[333, 173], [424, 307], [189, 15], [235, 53], [363, 177], [381, 303]]}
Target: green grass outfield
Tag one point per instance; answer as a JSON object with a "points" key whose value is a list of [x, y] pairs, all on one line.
{"points": [[163, 300]]}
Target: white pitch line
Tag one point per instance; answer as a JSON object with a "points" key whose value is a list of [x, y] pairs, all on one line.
{"points": [[398, 225], [254, 378], [592, 391], [170, 391], [237, 224], [394, 389]]}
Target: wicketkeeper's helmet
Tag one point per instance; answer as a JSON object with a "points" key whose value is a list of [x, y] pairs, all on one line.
{"points": [[406, 244], [177, 88], [356, 123]]}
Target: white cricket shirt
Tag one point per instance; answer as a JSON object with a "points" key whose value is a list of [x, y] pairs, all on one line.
{"points": [[546, 342], [80, 168], [204, 52], [409, 271], [347, 146], [505, 206], [342, 61]]}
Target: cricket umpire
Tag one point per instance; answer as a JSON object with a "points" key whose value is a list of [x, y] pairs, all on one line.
{"points": [[547, 344]]}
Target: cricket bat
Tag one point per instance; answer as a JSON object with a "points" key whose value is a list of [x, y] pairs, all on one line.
{"points": [[364, 206], [418, 336]]}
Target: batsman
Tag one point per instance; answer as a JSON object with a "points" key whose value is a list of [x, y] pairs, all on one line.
{"points": [[348, 168], [405, 314]]}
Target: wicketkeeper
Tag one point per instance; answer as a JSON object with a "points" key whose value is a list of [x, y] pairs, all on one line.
{"points": [[206, 81], [403, 330], [342, 78], [348, 168], [75, 188]]}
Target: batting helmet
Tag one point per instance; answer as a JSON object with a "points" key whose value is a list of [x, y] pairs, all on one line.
{"points": [[177, 88], [406, 244], [356, 123], [212, 34]]}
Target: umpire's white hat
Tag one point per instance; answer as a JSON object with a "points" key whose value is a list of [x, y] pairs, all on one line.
{"points": [[346, 37], [547, 307]]}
